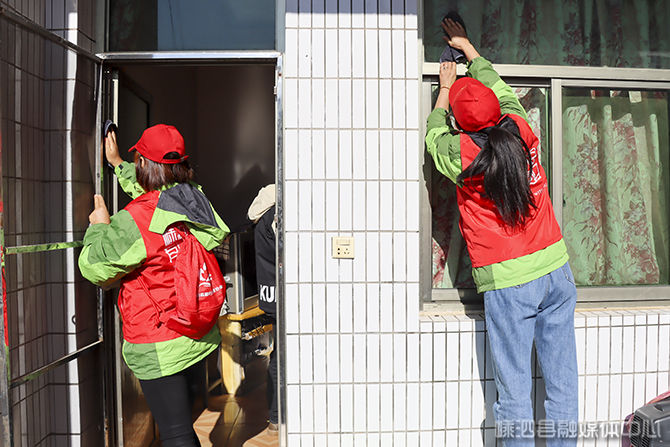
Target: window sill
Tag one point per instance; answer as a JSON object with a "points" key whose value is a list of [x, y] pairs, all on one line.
{"points": [[565, 72], [623, 297]]}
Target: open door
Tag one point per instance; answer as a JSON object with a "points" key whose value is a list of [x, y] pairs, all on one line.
{"points": [[51, 380], [226, 109]]}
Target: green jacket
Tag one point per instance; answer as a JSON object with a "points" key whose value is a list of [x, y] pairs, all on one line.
{"points": [[443, 143], [114, 250]]}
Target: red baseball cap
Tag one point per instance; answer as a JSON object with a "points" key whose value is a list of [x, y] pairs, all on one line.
{"points": [[159, 140], [474, 105]]}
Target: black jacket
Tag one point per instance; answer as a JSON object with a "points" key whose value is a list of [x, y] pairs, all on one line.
{"points": [[264, 240]]}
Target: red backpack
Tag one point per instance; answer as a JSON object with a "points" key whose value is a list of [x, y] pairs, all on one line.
{"points": [[200, 289]]}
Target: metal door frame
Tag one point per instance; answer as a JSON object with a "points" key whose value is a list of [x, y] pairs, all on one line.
{"points": [[216, 57]]}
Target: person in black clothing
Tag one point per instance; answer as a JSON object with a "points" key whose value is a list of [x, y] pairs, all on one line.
{"points": [[262, 213]]}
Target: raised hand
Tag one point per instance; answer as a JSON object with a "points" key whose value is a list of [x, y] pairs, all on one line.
{"points": [[112, 149], [456, 34], [447, 74], [458, 39], [100, 213]]}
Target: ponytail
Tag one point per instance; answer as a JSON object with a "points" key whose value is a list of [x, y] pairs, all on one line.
{"points": [[506, 163]]}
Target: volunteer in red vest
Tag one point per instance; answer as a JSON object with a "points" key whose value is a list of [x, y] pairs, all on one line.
{"points": [[519, 259], [136, 247]]}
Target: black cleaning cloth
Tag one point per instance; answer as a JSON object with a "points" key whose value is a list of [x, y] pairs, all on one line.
{"points": [[451, 54]]}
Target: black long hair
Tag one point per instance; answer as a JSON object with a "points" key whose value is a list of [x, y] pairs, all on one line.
{"points": [[506, 163]]}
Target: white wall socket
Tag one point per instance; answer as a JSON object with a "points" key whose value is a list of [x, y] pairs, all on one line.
{"points": [[343, 247]]}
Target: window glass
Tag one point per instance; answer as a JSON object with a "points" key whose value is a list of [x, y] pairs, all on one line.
{"points": [[615, 185], [150, 25], [451, 266], [619, 33]]}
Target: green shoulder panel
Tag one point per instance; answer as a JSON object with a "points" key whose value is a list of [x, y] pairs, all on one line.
{"points": [[438, 120], [208, 236], [224, 228], [111, 251]]}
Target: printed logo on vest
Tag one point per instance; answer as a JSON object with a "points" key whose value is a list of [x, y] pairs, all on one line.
{"points": [[170, 238]]}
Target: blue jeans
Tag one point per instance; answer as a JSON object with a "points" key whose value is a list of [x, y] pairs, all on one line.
{"points": [[541, 310]]}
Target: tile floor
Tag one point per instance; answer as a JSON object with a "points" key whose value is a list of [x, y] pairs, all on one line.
{"points": [[230, 420]]}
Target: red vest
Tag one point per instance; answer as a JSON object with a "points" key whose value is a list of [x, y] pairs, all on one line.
{"points": [[488, 239], [156, 274]]}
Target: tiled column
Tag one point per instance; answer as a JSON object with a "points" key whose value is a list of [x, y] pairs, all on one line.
{"points": [[352, 169]]}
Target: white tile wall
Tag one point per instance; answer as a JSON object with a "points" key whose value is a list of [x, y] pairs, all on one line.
{"points": [[320, 407], [364, 368], [384, 398]]}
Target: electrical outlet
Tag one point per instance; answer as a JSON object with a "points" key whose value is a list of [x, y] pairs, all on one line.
{"points": [[343, 247]]}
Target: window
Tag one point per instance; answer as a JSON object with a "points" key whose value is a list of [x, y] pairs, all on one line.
{"points": [[616, 169], [191, 25], [597, 33], [605, 146], [594, 77]]}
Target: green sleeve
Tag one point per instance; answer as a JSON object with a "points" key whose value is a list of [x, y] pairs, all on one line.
{"points": [[443, 145], [482, 70], [125, 172], [111, 251]]}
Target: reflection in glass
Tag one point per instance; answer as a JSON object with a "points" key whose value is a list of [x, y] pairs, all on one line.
{"points": [[451, 266], [615, 185], [555, 32], [150, 25]]}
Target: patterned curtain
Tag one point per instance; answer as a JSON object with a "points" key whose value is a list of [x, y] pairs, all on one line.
{"points": [[612, 33], [615, 186]]}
